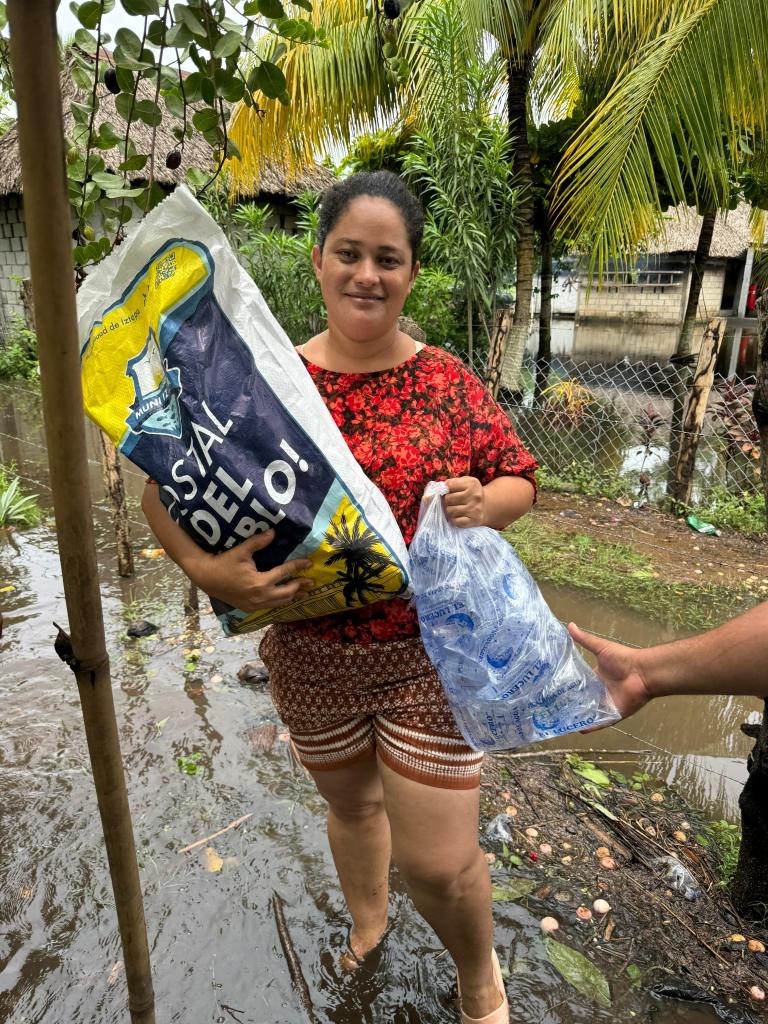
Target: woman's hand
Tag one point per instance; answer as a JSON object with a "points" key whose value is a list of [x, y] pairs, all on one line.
{"points": [[232, 576], [465, 501], [620, 668]]}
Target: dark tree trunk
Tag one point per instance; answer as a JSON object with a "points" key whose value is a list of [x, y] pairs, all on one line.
{"points": [[510, 349], [750, 882], [682, 357], [115, 488], [760, 397], [544, 354]]}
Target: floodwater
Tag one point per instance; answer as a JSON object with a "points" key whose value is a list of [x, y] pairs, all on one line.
{"points": [[214, 946]]}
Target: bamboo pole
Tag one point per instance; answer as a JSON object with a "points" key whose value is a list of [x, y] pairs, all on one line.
{"points": [[35, 64]]}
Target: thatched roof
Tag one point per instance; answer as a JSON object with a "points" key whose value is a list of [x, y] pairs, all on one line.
{"points": [[197, 153], [732, 237]]}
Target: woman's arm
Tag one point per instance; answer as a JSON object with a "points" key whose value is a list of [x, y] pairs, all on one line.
{"points": [[731, 659], [497, 504], [230, 576]]}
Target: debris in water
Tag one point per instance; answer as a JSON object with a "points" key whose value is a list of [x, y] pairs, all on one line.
{"points": [[141, 628], [678, 877], [213, 862], [262, 737], [152, 552], [252, 673]]}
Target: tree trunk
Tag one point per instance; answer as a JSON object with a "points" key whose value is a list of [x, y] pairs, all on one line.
{"points": [[501, 327], [115, 488], [682, 357], [695, 409], [750, 882], [544, 354], [760, 397], [192, 606], [506, 364]]}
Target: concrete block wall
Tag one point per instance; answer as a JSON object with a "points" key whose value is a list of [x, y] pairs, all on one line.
{"points": [[711, 292], [14, 260], [652, 303]]}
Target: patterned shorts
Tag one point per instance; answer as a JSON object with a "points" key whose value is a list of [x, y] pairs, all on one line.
{"points": [[343, 703]]}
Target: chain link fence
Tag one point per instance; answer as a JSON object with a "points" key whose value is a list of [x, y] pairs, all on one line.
{"points": [[607, 429]]}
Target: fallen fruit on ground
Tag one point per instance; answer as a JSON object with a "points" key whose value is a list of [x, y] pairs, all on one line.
{"points": [[549, 924], [601, 906]]}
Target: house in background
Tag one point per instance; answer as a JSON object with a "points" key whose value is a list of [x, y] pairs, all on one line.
{"points": [[635, 312], [274, 189]]}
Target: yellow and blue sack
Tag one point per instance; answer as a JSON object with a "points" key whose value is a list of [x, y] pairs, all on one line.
{"points": [[187, 370]]}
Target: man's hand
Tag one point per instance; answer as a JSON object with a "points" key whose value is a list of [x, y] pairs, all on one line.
{"points": [[620, 669], [232, 576], [465, 501]]}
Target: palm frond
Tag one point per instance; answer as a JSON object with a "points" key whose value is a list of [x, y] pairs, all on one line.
{"points": [[677, 111]]}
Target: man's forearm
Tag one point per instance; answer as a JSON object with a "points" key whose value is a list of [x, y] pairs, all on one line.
{"points": [[732, 659]]}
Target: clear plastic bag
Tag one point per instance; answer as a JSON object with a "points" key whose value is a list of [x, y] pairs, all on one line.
{"points": [[508, 666]]}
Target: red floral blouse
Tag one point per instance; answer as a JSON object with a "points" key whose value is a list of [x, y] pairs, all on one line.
{"points": [[427, 419]]}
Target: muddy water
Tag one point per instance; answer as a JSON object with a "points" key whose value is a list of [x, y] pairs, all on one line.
{"points": [[213, 942]]}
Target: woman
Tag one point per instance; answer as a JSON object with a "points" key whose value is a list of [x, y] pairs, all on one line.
{"points": [[365, 709]]}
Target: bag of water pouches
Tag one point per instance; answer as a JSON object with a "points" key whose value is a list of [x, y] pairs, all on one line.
{"points": [[509, 668], [188, 372]]}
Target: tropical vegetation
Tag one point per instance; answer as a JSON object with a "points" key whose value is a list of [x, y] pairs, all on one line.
{"points": [[16, 507]]}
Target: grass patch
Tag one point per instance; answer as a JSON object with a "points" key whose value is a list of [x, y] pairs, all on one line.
{"points": [[743, 512], [585, 478], [620, 574], [724, 840]]}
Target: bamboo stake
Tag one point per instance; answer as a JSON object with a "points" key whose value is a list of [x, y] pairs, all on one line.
{"points": [[35, 64]]}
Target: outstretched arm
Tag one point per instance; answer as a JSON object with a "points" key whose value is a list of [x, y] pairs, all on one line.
{"points": [[731, 659]]}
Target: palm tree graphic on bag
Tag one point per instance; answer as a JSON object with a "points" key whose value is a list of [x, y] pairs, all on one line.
{"points": [[355, 546]]}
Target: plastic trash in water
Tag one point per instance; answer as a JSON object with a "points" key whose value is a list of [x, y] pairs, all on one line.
{"points": [[509, 668], [679, 877], [701, 527], [499, 828]]}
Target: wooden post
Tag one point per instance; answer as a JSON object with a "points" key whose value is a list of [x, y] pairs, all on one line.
{"points": [[35, 65], [760, 397], [115, 487], [192, 606], [695, 408]]}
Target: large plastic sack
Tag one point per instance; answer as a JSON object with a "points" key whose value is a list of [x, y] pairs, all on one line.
{"points": [[509, 668], [188, 372]]}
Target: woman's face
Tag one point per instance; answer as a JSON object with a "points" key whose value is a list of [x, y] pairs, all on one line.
{"points": [[365, 269]]}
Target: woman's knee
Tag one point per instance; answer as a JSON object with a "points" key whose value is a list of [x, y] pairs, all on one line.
{"points": [[448, 877], [350, 809]]}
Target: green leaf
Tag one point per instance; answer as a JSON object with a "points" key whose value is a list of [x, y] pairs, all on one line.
{"points": [[232, 151], [88, 14], [134, 163], [81, 78], [148, 112], [634, 974], [271, 9], [179, 36], [185, 16], [81, 112], [107, 180], [230, 87], [129, 42], [270, 79], [107, 137], [193, 87], [174, 103], [579, 972], [293, 28], [196, 178], [512, 889], [142, 7], [305, 5], [228, 44], [3, 17], [125, 79], [207, 89], [602, 809], [156, 33], [593, 774], [85, 40], [205, 120]]}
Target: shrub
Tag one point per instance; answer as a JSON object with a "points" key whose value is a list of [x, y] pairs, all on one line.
{"points": [[18, 350], [742, 511], [16, 508]]}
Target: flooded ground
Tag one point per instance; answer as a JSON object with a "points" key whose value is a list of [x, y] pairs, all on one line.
{"points": [[213, 942]]}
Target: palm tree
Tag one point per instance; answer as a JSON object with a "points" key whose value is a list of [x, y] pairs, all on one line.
{"points": [[355, 546]]}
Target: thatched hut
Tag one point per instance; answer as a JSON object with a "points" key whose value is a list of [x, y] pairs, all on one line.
{"points": [[274, 188]]}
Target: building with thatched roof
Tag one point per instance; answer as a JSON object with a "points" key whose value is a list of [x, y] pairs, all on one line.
{"points": [[275, 189]]}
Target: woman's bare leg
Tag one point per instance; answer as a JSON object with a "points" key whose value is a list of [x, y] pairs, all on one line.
{"points": [[435, 848], [358, 833]]}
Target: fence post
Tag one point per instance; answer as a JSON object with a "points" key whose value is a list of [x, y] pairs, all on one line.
{"points": [[115, 488], [35, 63], [695, 408], [760, 397], [192, 607]]}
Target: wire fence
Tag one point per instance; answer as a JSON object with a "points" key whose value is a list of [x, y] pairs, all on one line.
{"points": [[609, 428]]}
